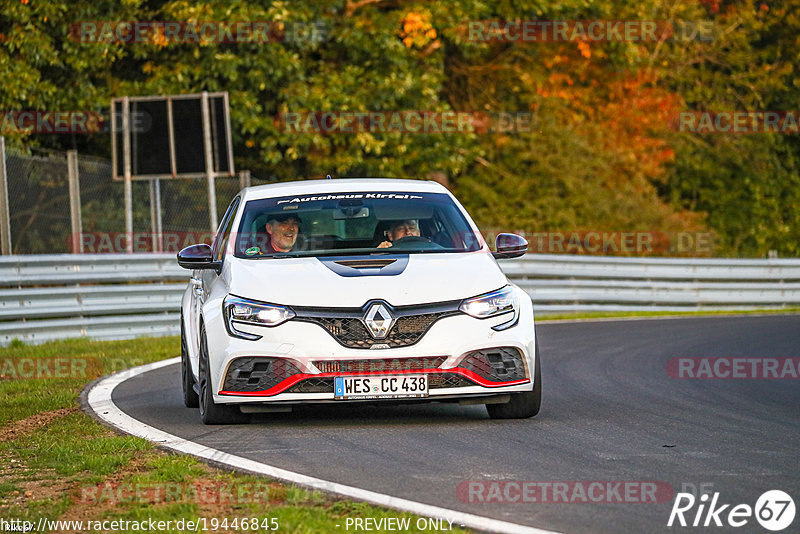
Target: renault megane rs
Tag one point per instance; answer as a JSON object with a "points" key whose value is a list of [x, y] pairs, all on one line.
{"points": [[352, 291]]}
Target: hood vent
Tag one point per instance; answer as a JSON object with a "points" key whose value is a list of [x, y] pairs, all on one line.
{"points": [[372, 263], [383, 265]]}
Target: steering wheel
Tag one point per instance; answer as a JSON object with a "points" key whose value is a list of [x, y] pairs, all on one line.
{"points": [[415, 242], [411, 239]]}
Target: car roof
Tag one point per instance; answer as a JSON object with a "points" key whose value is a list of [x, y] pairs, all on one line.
{"points": [[342, 185]]}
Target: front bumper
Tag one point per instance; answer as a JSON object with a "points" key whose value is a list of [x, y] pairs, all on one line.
{"points": [[299, 360], [267, 377]]}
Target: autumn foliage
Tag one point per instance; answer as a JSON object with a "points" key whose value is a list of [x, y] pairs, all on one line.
{"points": [[598, 151]]}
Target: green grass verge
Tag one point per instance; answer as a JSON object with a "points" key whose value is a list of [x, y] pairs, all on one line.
{"points": [[70, 467]]}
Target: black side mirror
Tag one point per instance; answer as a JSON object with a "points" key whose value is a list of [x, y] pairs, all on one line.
{"points": [[509, 246], [197, 257]]}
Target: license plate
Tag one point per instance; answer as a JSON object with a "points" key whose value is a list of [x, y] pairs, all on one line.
{"points": [[380, 387]]}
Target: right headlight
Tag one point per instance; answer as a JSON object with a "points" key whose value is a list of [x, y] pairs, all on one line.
{"points": [[251, 312], [492, 304]]}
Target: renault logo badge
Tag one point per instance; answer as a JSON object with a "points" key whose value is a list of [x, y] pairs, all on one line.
{"points": [[378, 320]]}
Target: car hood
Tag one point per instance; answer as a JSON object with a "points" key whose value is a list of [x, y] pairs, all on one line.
{"points": [[314, 282]]}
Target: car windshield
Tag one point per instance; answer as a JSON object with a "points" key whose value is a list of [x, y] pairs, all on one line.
{"points": [[353, 224]]}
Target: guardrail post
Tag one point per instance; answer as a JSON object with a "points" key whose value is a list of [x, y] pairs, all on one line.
{"points": [[5, 215], [75, 201]]}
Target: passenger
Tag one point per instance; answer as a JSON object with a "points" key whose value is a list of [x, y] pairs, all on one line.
{"points": [[399, 230]]}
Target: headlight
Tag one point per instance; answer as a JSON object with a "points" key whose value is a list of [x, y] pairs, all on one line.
{"points": [[491, 304], [244, 311]]}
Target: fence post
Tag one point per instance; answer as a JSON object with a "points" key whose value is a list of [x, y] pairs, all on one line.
{"points": [[157, 237], [126, 171], [75, 201], [5, 215], [244, 179], [208, 149]]}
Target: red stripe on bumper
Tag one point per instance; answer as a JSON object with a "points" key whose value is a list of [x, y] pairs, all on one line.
{"points": [[294, 379]]}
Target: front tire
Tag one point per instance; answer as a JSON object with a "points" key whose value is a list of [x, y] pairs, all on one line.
{"points": [[190, 397], [210, 412], [521, 405]]}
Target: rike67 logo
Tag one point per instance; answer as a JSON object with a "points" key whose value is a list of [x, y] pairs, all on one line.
{"points": [[774, 510]]}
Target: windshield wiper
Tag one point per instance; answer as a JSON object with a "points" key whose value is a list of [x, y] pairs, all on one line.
{"points": [[276, 255], [353, 252], [334, 253]]}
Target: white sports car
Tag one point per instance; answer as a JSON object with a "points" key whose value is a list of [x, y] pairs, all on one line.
{"points": [[354, 290]]}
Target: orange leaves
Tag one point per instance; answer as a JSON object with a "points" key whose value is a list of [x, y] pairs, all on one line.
{"points": [[159, 38], [635, 118], [418, 31], [550, 62], [414, 22], [628, 114], [586, 51], [711, 5], [557, 86]]}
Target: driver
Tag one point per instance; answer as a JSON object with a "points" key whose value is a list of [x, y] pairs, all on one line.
{"points": [[399, 230], [282, 230]]}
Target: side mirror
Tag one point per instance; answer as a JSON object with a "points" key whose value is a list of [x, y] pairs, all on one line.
{"points": [[197, 257], [509, 246]]}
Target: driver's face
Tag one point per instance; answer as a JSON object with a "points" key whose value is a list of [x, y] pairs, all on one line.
{"points": [[404, 229], [283, 234]]}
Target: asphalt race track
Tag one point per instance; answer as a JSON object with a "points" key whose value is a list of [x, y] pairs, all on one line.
{"points": [[610, 413]]}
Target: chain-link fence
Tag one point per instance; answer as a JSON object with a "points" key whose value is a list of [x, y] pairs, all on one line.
{"points": [[38, 200], [103, 207], [41, 221]]}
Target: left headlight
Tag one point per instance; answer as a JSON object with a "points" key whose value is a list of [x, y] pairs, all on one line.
{"points": [[246, 311], [492, 304]]}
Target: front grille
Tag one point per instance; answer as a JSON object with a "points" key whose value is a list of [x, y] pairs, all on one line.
{"points": [[352, 333], [435, 381], [312, 385], [448, 380], [376, 365], [347, 327], [253, 373], [501, 364]]}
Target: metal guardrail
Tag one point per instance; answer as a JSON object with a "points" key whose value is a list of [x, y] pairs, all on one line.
{"points": [[102, 296], [560, 283], [118, 296]]}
